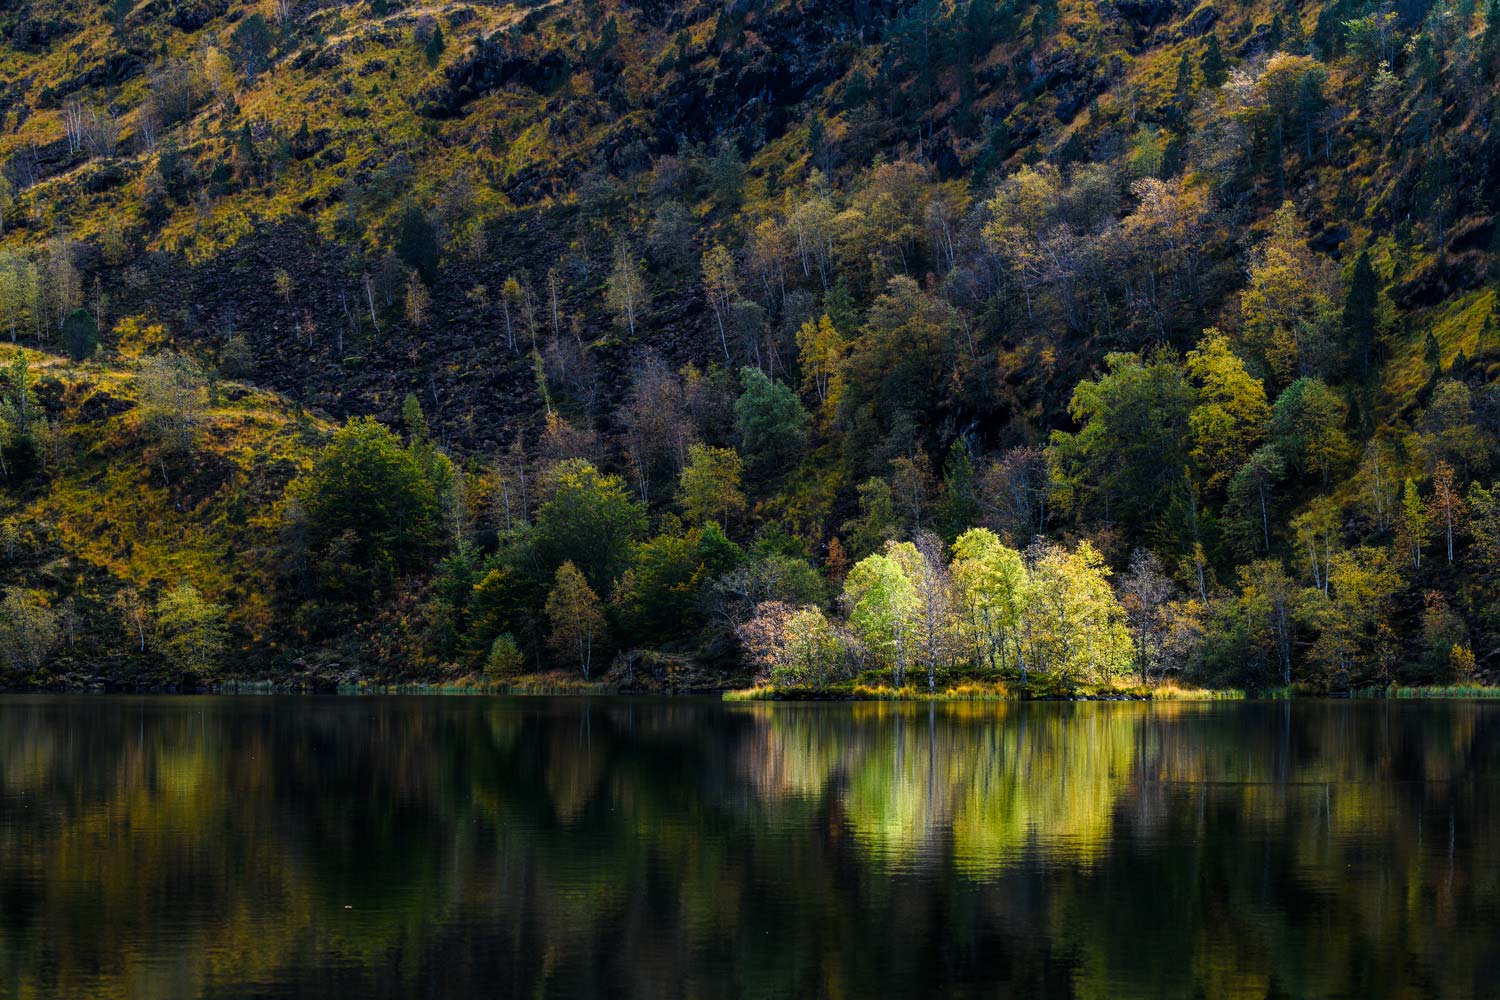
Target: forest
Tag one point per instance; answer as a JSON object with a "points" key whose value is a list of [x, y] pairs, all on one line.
{"points": [[903, 346]]}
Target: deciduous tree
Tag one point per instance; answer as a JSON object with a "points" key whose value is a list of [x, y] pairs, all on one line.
{"points": [[626, 288], [710, 485], [1231, 415], [991, 582], [190, 630], [575, 615]]}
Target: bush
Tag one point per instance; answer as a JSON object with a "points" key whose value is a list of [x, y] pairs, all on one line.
{"points": [[236, 359], [505, 659]]}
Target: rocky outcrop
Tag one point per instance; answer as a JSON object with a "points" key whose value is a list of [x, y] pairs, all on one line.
{"points": [[491, 64]]}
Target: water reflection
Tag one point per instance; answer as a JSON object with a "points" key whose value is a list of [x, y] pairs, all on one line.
{"points": [[397, 847]]}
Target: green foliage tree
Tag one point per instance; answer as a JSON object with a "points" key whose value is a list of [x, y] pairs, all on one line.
{"points": [[1074, 625], [895, 371], [1132, 444], [251, 42], [1362, 582], [1416, 523], [661, 597], [877, 522], [171, 390], [821, 349], [881, 603], [80, 334], [1288, 309], [371, 510], [933, 624], [1252, 492], [29, 630], [588, 519], [709, 489], [135, 615], [771, 422], [1450, 429], [505, 658], [1269, 599], [991, 582], [191, 631], [1307, 426], [765, 574], [20, 416]]}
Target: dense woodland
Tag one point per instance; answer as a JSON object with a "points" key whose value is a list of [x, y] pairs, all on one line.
{"points": [[909, 344]]}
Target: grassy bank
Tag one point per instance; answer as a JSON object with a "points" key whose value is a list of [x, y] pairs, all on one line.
{"points": [[1445, 691], [1045, 689], [540, 684]]}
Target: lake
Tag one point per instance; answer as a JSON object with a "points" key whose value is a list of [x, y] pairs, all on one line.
{"points": [[468, 846]]}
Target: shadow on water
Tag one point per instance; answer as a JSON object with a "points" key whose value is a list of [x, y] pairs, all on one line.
{"points": [[407, 846]]}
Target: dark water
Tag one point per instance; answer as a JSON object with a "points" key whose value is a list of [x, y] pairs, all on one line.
{"points": [[412, 847]]}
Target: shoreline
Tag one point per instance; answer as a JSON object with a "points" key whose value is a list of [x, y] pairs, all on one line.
{"points": [[548, 686]]}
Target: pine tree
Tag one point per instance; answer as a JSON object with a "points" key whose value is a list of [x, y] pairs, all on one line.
{"points": [[1183, 93], [435, 46], [1043, 20], [1276, 35], [1215, 72], [1360, 304], [80, 334], [960, 508], [416, 242]]}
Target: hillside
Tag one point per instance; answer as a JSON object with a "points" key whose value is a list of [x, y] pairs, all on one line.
{"points": [[688, 318], [113, 519]]}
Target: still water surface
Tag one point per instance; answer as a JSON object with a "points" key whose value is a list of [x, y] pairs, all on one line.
{"points": [[412, 847]]}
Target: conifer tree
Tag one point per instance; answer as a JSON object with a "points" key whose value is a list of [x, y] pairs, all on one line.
{"points": [[1215, 72], [1360, 303]]}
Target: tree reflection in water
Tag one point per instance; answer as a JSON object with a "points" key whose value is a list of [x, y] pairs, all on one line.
{"points": [[376, 847]]}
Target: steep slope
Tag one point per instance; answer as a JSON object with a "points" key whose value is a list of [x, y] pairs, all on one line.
{"points": [[1212, 282], [114, 511]]}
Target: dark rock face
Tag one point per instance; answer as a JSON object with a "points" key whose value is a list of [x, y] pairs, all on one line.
{"points": [[1198, 25], [490, 65], [1472, 234], [102, 406], [191, 15], [112, 71], [782, 58], [1145, 13], [753, 82], [26, 30]]}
